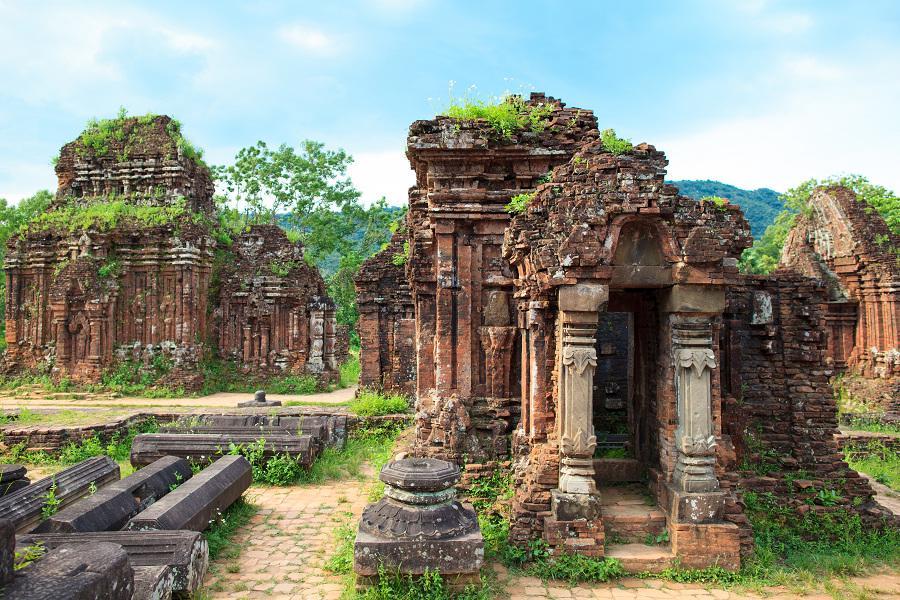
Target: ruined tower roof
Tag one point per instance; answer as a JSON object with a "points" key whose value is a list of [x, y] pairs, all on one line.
{"points": [[145, 159]]}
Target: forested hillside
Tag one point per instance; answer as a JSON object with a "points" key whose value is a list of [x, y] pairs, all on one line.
{"points": [[760, 206]]}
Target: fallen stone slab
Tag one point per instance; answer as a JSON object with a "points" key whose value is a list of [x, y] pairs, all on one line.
{"points": [[199, 501], [110, 508], [207, 447], [75, 572], [14, 486], [7, 550], [11, 473], [330, 430], [152, 583], [184, 553], [24, 507]]}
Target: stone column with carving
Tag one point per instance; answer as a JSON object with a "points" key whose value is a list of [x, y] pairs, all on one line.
{"points": [[695, 496], [579, 306], [316, 361]]}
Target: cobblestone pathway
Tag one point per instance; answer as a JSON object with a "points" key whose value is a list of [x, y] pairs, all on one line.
{"points": [[287, 543]]}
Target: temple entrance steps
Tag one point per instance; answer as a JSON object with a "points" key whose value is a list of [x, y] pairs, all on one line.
{"points": [[635, 528], [630, 515]]}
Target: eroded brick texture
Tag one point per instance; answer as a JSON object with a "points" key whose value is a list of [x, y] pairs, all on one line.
{"points": [[466, 342], [848, 245], [274, 314], [81, 299], [387, 326], [66, 313], [780, 411]]}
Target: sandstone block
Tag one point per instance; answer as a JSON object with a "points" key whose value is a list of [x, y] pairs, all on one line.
{"points": [[196, 503]]}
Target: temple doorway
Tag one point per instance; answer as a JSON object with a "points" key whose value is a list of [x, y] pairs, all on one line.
{"points": [[624, 386]]}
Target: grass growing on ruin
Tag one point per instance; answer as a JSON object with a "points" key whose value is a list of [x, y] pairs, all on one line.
{"points": [[105, 215], [506, 115], [877, 461], [614, 143], [370, 403]]}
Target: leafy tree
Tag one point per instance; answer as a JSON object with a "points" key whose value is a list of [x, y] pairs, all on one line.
{"points": [[12, 218], [764, 255], [268, 182]]}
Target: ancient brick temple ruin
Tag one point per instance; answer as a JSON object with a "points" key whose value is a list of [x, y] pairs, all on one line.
{"points": [[275, 313], [120, 267], [848, 245], [387, 327], [609, 315]]}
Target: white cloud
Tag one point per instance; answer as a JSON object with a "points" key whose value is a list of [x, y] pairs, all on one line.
{"points": [[762, 14], [397, 6], [837, 119], [309, 38], [385, 173]]}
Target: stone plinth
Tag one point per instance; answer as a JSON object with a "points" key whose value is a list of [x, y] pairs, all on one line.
{"points": [[259, 401], [419, 526]]}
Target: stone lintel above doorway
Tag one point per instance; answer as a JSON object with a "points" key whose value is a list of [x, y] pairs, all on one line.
{"points": [[692, 298]]}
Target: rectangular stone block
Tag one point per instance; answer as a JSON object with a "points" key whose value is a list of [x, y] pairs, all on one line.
{"points": [[184, 553], [697, 546], [205, 448], [329, 429], [460, 555], [7, 550], [76, 572], [110, 508], [695, 507], [200, 500], [23, 507]]}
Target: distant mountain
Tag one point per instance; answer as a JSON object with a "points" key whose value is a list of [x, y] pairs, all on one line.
{"points": [[759, 206]]}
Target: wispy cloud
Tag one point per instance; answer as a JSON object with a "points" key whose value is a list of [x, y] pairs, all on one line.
{"points": [[384, 173], [310, 39]]}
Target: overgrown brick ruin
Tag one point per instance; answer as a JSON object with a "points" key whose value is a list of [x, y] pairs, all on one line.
{"points": [[848, 246], [611, 314], [135, 282]]}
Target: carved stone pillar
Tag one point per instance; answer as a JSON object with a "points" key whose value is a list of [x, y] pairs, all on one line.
{"points": [[694, 439], [329, 339], [316, 361], [497, 344], [579, 306]]}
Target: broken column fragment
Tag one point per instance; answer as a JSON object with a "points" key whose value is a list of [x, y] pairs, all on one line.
{"points": [[24, 507], [184, 553], [7, 550], [12, 478], [199, 501], [75, 572], [204, 448], [111, 507], [419, 526]]}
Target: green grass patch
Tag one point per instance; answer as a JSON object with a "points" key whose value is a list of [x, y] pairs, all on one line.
{"points": [[221, 531], [370, 403], [104, 215], [117, 447], [877, 461], [614, 143], [506, 115], [519, 203]]}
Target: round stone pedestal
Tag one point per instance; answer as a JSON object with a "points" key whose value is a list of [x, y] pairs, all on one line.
{"points": [[419, 525]]}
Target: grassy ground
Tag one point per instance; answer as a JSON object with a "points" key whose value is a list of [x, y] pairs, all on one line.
{"points": [[877, 461]]}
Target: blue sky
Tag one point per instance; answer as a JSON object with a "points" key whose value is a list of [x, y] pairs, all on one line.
{"points": [[751, 92]]}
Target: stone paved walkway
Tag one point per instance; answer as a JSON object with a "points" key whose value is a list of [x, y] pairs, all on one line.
{"points": [[287, 543]]}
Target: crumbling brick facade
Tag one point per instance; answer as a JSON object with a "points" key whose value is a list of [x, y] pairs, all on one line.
{"points": [[274, 314], [848, 245], [120, 268], [77, 297], [610, 313], [387, 326], [467, 380]]}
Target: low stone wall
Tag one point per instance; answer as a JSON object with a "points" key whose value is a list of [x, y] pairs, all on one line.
{"points": [[860, 441], [51, 438]]}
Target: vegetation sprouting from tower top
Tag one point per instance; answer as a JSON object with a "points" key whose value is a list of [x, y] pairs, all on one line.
{"points": [[124, 136], [506, 114]]}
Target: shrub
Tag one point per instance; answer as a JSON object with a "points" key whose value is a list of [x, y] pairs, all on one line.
{"points": [[371, 404], [575, 568], [614, 143], [519, 203]]}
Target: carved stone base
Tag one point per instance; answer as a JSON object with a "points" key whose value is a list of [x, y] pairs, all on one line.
{"points": [[576, 476], [694, 507], [569, 507], [696, 473]]}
